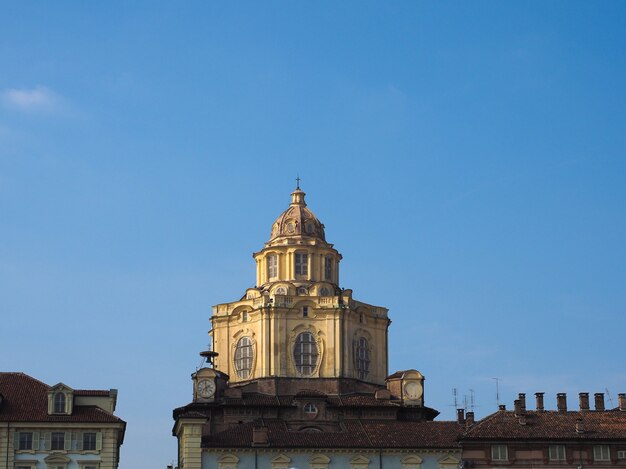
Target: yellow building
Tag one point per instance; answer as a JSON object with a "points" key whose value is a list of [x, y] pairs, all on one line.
{"points": [[297, 322], [57, 427], [299, 374]]}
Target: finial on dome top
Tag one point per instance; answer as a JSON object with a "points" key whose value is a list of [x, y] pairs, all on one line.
{"points": [[297, 196]]}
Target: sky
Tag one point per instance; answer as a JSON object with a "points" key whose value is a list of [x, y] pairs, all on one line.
{"points": [[467, 159]]}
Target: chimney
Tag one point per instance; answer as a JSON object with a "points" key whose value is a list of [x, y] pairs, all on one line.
{"points": [[259, 436], [583, 398], [522, 402], [580, 428], [469, 420], [502, 407], [599, 398], [460, 416], [620, 397], [517, 407], [539, 398], [561, 402]]}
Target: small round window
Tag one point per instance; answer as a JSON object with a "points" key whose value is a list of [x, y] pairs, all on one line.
{"points": [[324, 291], [281, 291], [309, 409], [302, 291]]}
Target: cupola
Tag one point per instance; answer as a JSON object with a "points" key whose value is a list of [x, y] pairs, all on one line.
{"points": [[297, 221]]}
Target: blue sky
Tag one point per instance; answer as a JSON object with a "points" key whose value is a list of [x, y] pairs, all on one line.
{"points": [[467, 159]]}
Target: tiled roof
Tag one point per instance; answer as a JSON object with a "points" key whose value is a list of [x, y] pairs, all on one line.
{"points": [[377, 434], [25, 399], [550, 425], [360, 400]]}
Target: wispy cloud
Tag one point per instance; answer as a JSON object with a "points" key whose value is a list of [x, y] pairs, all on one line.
{"points": [[39, 99]]}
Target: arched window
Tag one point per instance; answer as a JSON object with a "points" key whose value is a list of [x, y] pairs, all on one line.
{"points": [[243, 357], [272, 266], [362, 358], [281, 291], [305, 353], [59, 403]]}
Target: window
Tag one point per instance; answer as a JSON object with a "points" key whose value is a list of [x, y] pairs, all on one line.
{"points": [[281, 291], [601, 453], [89, 441], [305, 311], [328, 268], [244, 316], [557, 453], [362, 358], [305, 353], [499, 453], [302, 291], [324, 291], [302, 263], [243, 357], [621, 455], [58, 440], [272, 266], [59, 403], [309, 409], [26, 440]]}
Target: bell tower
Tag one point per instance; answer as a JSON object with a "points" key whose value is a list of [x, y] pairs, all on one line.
{"points": [[297, 322]]}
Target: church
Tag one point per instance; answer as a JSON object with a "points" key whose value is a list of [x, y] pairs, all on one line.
{"points": [[298, 373]]}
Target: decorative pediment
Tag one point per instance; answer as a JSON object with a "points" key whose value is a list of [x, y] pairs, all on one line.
{"points": [[448, 460], [359, 460], [320, 459], [56, 458], [60, 387], [281, 458], [228, 461], [412, 461], [280, 462]]}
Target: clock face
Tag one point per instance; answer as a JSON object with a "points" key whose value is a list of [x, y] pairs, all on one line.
{"points": [[413, 390], [206, 388]]}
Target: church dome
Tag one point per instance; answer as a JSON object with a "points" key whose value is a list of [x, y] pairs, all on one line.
{"points": [[297, 220]]}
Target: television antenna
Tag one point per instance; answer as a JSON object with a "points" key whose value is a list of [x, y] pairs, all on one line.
{"points": [[608, 395], [455, 398], [472, 400], [497, 380]]}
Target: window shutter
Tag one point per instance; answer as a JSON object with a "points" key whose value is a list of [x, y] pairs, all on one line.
{"points": [[79, 441], [68, 441], [50, 408], [68, 403], [35, 440], [98, 441], [47, 438], [16, 440]]}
